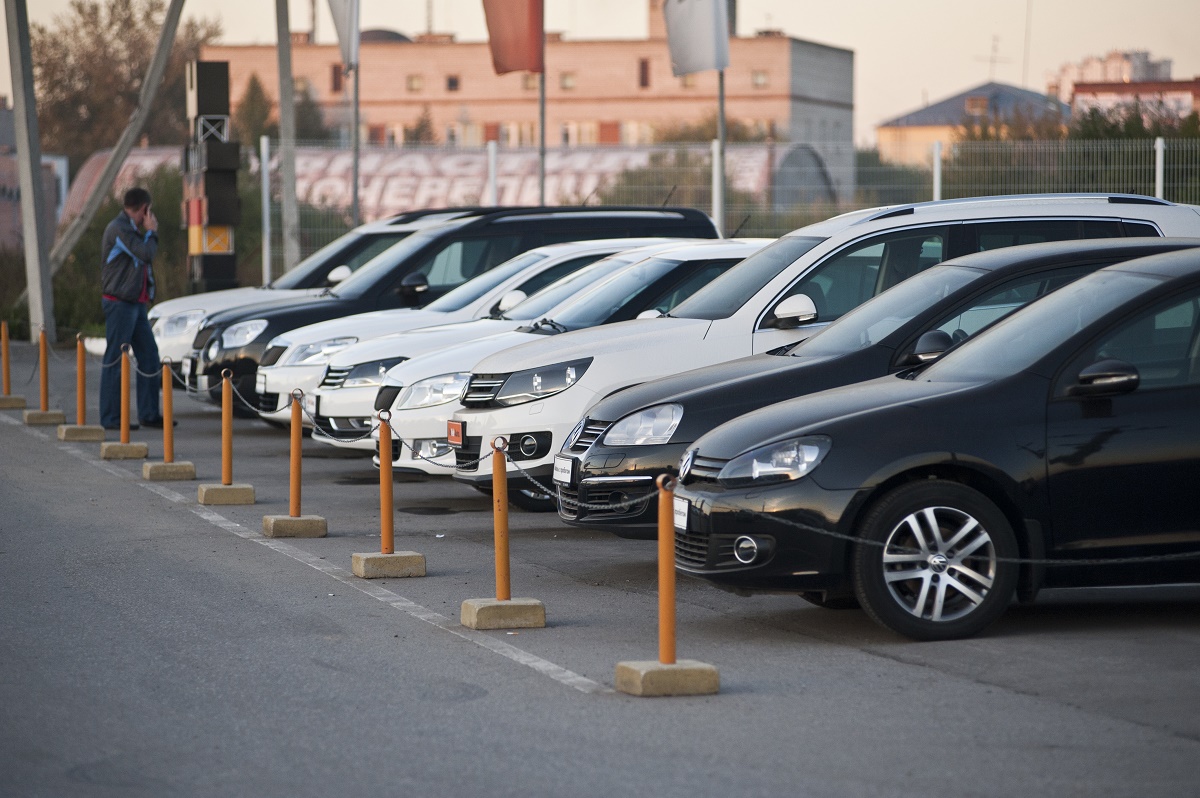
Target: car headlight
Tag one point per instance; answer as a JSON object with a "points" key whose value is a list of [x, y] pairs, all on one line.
{"points": [[179, 323], [370, 373], [653, 425], [319, 351], [776, 462], [242, 333], [434, 391], [534, 384]]}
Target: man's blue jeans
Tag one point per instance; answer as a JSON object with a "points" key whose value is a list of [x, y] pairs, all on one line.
{"points": [[127, 323]]}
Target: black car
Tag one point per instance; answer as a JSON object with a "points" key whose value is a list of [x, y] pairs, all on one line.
{"points": [[1059, 448], [421, 267], [631, 437]]}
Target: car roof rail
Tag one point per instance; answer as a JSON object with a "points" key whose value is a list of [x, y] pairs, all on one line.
{"points": [[1113, 199]]}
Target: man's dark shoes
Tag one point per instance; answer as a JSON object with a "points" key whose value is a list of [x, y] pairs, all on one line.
{"points": [[157, 423], [117, 427]]}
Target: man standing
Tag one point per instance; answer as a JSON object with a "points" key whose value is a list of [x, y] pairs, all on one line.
{"points": [[127, 285]]}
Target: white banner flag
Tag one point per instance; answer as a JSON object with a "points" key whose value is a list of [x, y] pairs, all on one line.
{"points": [[345, 21], [698, 34]]}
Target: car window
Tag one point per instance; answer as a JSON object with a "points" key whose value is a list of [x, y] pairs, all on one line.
{"points": [[721, 298], [463, 259], [695, 279], [473, 289], [559, 270], [352, 250], [860, 271], [997, 235], [1010, 296], [562, 290], [606, 298], [1161, 344]]}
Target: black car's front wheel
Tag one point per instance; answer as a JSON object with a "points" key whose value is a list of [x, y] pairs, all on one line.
{"points": [[533, 500], [931, 565]]}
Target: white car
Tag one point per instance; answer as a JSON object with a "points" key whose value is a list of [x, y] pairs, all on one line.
{"points": [[536, 394], [299, 358], [175, 321]]}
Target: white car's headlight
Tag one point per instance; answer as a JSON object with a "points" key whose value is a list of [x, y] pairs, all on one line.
{"points": [[653, 425], [365, 374], [242, 333], [776, 462], [534, 384], [178, 324], [319, 351], [434, 391]]}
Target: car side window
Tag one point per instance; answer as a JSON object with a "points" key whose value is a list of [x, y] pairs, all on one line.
{"points": [[1161, 344], [463, 259], [1010, 296], [984, 236], [864, 269], [547, 276]]}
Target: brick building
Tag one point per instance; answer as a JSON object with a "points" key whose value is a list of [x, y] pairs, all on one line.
{"points": [[1177, 98]]}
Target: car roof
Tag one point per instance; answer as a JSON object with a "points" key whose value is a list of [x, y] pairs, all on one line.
{"points": [[1171, 265], [717, 248], [1047, 252]]}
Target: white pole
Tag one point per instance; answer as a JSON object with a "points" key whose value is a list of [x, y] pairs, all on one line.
{"points": [[264, 173], [937, 170], [1160, 152], [490, 193], [718, 187]]}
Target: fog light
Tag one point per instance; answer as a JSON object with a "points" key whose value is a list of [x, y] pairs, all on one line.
{"points": [[430, 448], [529, 446], [745, 549]]}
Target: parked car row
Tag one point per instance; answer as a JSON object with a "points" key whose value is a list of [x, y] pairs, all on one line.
{"points": [[791, 385]]}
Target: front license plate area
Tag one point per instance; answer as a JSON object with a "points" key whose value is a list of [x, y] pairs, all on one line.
{"points": [[564, 469], [456, 433], [681, 513]]}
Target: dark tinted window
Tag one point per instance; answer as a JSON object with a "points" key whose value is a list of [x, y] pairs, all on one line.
{"points": [[473, 289], [352, 249], [1141, 229], [722, 297], [695, 278], [997, 235], [460, 260], [556, 272], [999, 302]]}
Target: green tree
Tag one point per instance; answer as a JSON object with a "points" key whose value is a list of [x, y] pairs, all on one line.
{"points": [[421, 131], [88, 69], [310, 120], [252, 117], [706, 130]]}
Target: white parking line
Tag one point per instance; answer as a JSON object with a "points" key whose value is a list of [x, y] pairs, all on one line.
{"points": [[375, 591]]}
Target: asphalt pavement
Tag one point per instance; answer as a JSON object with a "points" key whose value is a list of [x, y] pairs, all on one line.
{"points": [[151, 646]]}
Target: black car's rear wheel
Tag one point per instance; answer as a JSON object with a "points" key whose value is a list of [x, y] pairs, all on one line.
{"points": [[931, 567]]}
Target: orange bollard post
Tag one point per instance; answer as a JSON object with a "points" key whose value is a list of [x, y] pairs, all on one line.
{"points": [[124, 393], [80, 381], [297, 441], [4, 367], [226, 427], [44, 370], [500, 518], [387, 530], [168, 413], [666, 570]]}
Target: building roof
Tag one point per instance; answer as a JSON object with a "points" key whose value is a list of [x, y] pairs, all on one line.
{"points": [[1001, 101]]}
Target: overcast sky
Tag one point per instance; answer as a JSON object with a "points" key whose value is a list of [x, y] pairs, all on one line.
{"points": [[906, 54]]}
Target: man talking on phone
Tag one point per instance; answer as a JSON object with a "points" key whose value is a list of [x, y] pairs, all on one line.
{"points": [[127, 287]]}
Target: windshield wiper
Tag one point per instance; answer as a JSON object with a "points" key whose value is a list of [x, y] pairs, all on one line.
{"points": [[552, 324]]}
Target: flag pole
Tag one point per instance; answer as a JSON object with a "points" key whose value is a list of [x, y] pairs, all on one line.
{"points": [[719, 178], [542, 117]]}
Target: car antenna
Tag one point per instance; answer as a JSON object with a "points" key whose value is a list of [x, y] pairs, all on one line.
{"points": [[670, 194], [589, 196], [739, 227]]}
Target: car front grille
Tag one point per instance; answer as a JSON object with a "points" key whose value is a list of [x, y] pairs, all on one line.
{"points": [[272, 355], [334, 377], [466, 457], [568, 504], [705, 469], [704, 551], [482, 389], [592, 430], [268, 402]]}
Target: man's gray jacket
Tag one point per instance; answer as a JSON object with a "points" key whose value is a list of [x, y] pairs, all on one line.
{"points": [[125, 256]]}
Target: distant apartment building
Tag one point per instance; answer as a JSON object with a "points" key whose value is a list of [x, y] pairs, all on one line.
{"points": [[618, 92], [1115, 67], [1168, 98]]}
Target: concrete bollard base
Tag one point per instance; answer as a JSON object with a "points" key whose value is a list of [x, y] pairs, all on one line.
{"points": [[113, 450], [652, 678], [75, 432], [301, 526], [518, 613], [225, 494], [387, 566], [168, 472], [45, 418], [12, 402]]}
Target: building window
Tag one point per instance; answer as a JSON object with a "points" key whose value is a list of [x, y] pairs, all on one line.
{"points": [[452, 83], [977, 105], [337, 79], [529, 81], [643, 73], [688, 81], [566, 80], [758, 78], [414, 82]]}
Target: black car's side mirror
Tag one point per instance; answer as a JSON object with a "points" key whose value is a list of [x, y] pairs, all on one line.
{"points": [[929, 347], [1105, 378], [413, 284]]}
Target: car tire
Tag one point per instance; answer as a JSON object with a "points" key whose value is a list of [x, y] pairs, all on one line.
{"points": [[951, 593], [533, 500]]}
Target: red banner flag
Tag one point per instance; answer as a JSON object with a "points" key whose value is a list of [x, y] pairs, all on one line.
{"points": [[515, 34]]}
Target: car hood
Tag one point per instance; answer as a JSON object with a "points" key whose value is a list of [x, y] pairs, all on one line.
{"points": [[416, 343], [217, 301], [453, 358], [322, 306], [816, 413], [363, 325], [636, 337]]}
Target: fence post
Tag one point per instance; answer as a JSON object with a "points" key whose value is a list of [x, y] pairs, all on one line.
{"points": [[491, 195], [1160, 152], [937, 170], [264, 174], [718, 187]]}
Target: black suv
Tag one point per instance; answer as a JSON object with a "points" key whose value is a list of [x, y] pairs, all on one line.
{"points": [[418, 269]]}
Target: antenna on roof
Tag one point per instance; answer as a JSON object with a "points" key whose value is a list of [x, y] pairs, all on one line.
{"points": [[738, 229], [670, 194], [993, 59]]}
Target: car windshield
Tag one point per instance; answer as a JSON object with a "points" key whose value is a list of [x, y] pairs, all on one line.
{"points": [[872, 321], [563, 289], [721, 298], [351, 250], [473, 289], [1025, 337], [600, 303], [365, 279]]}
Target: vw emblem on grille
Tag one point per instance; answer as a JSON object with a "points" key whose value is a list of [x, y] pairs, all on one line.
{"points": [[575, 433], [685, 464]]}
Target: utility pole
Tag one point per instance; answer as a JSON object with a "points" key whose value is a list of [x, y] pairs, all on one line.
{"points": [[290, 222]]}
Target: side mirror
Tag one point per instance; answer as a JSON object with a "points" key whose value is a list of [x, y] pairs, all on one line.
{"points": [[337, 274], [796, 310], [929, 347], [414, 284], [1106, 378], [510, 300], [652, 313]]}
